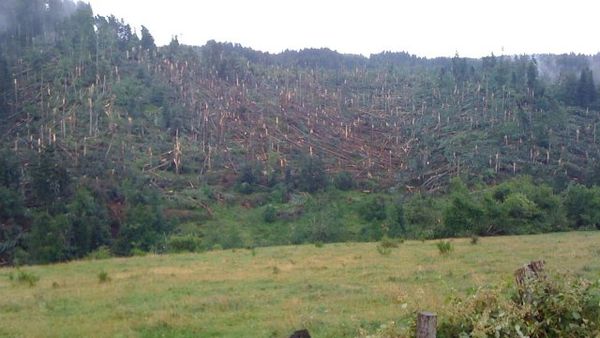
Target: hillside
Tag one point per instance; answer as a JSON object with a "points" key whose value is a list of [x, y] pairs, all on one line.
{"points": [[110, 140], [338, 290]]}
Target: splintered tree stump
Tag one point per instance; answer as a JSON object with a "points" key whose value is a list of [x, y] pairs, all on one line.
{"points": [[426, 325]]}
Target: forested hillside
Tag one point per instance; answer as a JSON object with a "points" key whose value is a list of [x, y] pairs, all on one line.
{"points": [[110, 142]]}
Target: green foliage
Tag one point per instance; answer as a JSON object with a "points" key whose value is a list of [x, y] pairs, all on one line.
{"points": [[47, 240], [387, 242], [89, 224], [463, 215], [51, 183], [13, 216], [25, 277], [10, 176], [397, 226], [560, 306], [144, 226], [312, 177], [183, 243], [383, 250], [424, 216], [269, 214], [582, 205], [103, 277], [343, 181], [102, 252], [247, 180], [147, 40], [373, 209], [444, 247]]}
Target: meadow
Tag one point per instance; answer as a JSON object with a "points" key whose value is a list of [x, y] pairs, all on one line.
{"points": [[333, 290]]}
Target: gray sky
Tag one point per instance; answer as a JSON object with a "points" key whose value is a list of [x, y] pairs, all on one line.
{"points": [[423, 27]]}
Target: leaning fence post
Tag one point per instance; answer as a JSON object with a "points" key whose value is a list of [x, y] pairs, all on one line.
{"points": [[426, 325]]}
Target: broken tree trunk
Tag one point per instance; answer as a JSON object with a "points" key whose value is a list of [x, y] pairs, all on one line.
{"points": [[426, 325]]}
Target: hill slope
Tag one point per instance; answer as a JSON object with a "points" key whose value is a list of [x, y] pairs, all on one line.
{"points": [[110, 140]]}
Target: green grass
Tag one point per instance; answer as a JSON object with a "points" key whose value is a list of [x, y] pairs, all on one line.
{"points": [[332, 290]]}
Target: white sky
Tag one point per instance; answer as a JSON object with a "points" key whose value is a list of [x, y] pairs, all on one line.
{"points": [[423, 27]]}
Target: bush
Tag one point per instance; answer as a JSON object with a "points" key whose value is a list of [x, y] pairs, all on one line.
{"points": [[383, 250], [103, 277], [183, 243], [312, 176], [269, 214], [343, 181], [560, 307], [397, 226], [25, 278], [102, 252], [445, 247], [138, 252], [387, 242], [373, 210]]}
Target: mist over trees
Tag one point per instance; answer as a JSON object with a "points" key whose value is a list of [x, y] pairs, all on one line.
{"points": [[109, 141]]}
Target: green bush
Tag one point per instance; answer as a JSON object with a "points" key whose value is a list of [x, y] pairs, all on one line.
{"points": [[138, 252], [269, 214], [559, 306], [343, 181], [312, 176], [25, 277], [103, 277], [102, 252], [183, 243], [387, 242], [444, 247], [383, 250], [373, 209]]}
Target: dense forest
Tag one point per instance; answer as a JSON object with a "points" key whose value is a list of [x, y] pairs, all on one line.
{"points": [[111, 144]]}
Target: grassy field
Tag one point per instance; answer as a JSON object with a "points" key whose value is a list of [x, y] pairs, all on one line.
{"points": [[269, 292]]}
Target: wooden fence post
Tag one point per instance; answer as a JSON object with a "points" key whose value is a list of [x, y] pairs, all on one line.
{"points": [[426, 325]]}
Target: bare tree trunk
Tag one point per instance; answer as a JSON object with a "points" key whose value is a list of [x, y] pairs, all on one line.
{"points": [[426, 325]]}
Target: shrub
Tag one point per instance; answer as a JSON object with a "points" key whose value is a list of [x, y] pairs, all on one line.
{"points": [[387, 242], [103, 277], [183, 243], [397, 226], [269, 214], [25, 277], [373, 210], [560, 307], [343, 181], [445, 247], [102, 252], [383, 250], [138, 252], [312, 176]]}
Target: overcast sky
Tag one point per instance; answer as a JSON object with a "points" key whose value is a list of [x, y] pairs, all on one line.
{"points": [[424, 27]]}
